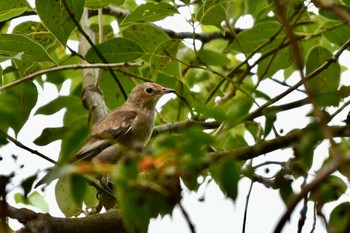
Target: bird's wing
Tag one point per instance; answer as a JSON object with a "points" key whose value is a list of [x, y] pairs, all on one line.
{"points": [[116, 127]]}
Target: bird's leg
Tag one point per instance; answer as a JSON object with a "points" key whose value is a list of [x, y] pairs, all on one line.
{"points": [[105, 199], [104, 195]]}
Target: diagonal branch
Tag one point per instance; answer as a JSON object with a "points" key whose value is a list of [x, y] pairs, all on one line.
{"points": [[249, 152], [67, 67], [20, 145], [321, 68], [322, 175]]}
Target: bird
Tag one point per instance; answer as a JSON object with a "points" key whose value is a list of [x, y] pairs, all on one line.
{"points": [[128, 127]]}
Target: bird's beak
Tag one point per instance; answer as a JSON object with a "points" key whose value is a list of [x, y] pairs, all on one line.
{"points": [[168, 90]]}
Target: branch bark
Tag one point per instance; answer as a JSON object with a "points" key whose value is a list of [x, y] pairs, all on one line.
{"points": [[67, 67], [109, 221], [249, 152], [92, 96], [203, 37]]}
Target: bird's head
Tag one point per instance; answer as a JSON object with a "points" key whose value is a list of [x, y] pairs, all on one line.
{"points": [[147, 94]]}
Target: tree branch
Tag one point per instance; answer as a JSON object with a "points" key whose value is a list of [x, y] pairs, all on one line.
{"points": [[203, 37], [249, 152], [20, 145], [91, 95], [109, 221], [322, 175], [181, 126], [322, 67], [67, 67]]}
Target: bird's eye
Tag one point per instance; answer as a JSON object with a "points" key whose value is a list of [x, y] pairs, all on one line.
{"points": [[149, 90]]}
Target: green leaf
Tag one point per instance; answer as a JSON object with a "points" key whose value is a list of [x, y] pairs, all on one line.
{"points": [[282, 59], [95, 4], [304, 149], [37, 32], [50, 135], [74, 137], [237, 109], [330, 190], [211, 112], [34, 199], [75, 119], [198, 137], [27, 184], [248, 40], [338, 33], [6, 115], [90, 199], [232, 138], [146, 35], [256, 7], [11, 45], [25, 66], [328, 99], [16, 105], [339, 220], [111, 92], [57, 172], [329, 14], [116, 50], [271, 117], [150, 12], [11, 8], [64, 192], [139, 200], [72, 103], [226, 175], [163, 55], [326, 81], [210, 57], [211, 14], [56, 18], [79, 187], [286, 192], [255, 129], [37, 200]]}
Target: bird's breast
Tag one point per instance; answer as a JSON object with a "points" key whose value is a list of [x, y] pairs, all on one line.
{"points": [[141, 131]]}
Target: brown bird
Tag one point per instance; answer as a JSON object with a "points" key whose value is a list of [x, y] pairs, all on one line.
{"points": [[128, 127]]}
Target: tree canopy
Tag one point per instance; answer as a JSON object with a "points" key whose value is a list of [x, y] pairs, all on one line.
{"points": [[226, 114]]}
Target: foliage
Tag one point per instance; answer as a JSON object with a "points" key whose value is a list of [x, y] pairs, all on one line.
{"points": [[220, 72]]}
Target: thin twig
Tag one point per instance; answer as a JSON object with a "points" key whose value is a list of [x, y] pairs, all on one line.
{"points": [[19, 144], [285, 84], [246, 206], [187, 217], [303, 211], [347, 103], [67, 67]]}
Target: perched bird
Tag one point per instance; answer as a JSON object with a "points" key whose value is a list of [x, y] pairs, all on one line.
{"points": [[128, 127]]}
